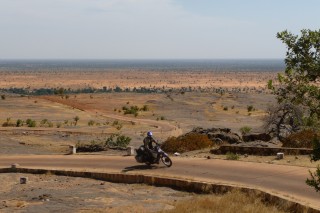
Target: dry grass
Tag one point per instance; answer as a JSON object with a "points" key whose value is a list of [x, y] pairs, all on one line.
{"points": [[231, 202]]}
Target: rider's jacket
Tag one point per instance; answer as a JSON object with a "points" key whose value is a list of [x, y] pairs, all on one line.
{"points": [[147, 141]]}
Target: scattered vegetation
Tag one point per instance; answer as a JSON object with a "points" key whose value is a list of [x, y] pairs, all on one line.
{"points": [[8, 123], [117, 141], [235, 201], [19, 123], [250, 108], [314, 181], [185, 143], [134, 110], [31, 123], [117, 125], [232, 156], [46, 123], [245, 130], [299, 83], [76, 119], [91, 123], [3, 97], [302, 139]]}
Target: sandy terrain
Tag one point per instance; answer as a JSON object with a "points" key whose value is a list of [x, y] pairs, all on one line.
{"points": [[170, 114], [180, 113], [134, 78]]}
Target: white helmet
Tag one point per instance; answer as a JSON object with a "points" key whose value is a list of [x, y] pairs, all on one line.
{"points": [[149, 134]]}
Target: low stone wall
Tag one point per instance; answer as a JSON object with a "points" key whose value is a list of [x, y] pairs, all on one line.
{"points": [[263, 151], [180, 184]]}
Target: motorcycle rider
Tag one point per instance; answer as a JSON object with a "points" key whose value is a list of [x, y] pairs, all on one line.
{"points": [[147, 141]]}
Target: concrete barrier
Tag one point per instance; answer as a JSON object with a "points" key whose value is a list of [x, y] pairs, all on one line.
{"points": [[175, 183], [130, 151], [72, 149]]}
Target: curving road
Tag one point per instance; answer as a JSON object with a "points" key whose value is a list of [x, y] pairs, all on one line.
{"points": [[287, 181], [162, 126]]}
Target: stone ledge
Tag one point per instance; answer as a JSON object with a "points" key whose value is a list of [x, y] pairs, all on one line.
{"points": [[180, 184], [264, 151]]}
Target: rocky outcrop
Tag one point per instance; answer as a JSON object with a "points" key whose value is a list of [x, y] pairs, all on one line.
{"points": [[256, 137], [219, 135]]}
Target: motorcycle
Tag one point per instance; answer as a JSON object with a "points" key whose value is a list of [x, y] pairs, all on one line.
{"points": [[158, 154]]}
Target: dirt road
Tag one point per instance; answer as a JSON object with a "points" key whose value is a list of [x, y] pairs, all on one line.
{"points": [[285, 180]]}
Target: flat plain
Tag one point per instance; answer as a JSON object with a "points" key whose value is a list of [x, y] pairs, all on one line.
{"points": [[179, 101]]}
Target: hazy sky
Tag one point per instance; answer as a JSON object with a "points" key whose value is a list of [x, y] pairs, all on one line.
{"points": [[150, 29]]}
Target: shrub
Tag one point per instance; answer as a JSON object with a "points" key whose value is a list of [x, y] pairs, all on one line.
{"points": [[132, 110], [117, 141], [76, 119], [250, 108], [31, 123], [302, 139], [232, 156], [315, 179], [94, 146], [19, 123], [185, 143], [145, 108], [91, 123], [8, 123], [59, 125], [45, 122], [245, 130], [225, 108], [3, 97]]}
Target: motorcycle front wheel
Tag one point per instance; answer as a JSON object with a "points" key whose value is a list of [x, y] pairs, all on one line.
{"points": [[166, 161]]}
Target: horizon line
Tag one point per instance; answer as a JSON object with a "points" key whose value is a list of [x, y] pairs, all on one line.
{"points": [[130, 59]]}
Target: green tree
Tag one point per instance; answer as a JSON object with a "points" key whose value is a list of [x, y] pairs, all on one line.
{"points": [[299, 84]]}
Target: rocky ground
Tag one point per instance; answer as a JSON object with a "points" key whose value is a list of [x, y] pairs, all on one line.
{"points": [[49, 193]]}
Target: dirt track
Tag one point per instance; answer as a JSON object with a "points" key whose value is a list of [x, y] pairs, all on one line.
{"points": [[287, 181]]}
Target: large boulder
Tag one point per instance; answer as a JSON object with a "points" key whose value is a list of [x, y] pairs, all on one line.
{"points": [[218, 135]]}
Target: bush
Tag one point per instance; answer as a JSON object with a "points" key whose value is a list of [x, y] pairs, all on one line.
{"points": [[94, 146], [45, 122], [302, 139], [117, 141], [185, 143], [315, 179], [19, 123], [145, 108], [245, 130], [91, 123], [31, 123], [250, 108], [8, 123], [59, 125], [232, 156], [133, 110], [3, 97]]}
